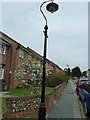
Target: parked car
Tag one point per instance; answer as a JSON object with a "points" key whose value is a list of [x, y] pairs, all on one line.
{"points": [[79, 83], [84, 96]]}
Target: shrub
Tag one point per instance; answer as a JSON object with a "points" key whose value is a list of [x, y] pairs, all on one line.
{"points": [[3, 105], [19, 87], [55, 79]]}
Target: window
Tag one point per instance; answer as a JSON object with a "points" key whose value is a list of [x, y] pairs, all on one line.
{"points": [[2, 49], [1, 73], [29, 57], [21, 53], [39, 63]]}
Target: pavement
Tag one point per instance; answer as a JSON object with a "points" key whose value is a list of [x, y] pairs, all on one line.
{"points": [[0, 94], [68, 106]]}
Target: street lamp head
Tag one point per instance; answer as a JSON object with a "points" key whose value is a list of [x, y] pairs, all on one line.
{"points": [[52, 7]]}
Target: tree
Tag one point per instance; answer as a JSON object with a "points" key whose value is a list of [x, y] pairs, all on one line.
{"points": [[29, 73], [76, 72], [68, 71], [84, 73], [56, 79]]}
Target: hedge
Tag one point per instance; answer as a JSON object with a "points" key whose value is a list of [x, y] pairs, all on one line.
{"points": [[55, 79]]}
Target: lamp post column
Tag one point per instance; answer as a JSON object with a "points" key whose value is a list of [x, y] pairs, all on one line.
{"points": [[51, 7], [42, 108]]}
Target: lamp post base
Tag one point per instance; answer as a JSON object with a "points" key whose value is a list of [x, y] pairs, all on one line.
{"points": [[42, 111]]}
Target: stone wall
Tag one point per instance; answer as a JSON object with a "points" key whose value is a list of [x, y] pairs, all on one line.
{"points": [[27, 106], [17, 104]]}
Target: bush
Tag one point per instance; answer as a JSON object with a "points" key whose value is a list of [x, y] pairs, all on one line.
{"points": [[55, 79], [3, 105], [19, 87]]}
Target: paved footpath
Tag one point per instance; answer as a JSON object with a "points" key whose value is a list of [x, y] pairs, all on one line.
{"points": [[68, 106]]}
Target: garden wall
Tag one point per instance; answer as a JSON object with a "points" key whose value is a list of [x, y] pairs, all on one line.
{"points": [[28, 106]]}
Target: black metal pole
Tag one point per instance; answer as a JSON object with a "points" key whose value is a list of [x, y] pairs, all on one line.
{"points": [[42, 107]]}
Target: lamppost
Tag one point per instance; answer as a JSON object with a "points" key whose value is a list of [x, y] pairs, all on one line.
{"points": [[51, 7]]}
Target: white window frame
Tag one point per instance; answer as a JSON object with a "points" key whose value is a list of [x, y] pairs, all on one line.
{"points": [[2, 49], [29, 56], [21, 53], [1, 73]]}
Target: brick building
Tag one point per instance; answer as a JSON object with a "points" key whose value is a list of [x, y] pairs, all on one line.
{"points": [[13, 54]]}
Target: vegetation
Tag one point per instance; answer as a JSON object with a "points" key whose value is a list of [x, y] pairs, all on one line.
{"points": [[76, 72], [55, 79], [68, 72], [28, 91], [2, 105], [29, 73], [84, 73]]}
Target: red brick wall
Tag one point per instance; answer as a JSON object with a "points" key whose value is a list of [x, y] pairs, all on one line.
{"points": [[6, 59], [15, 61], [10, 58]]}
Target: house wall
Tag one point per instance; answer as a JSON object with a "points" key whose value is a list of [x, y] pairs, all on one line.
{"points": [[11, 59], [6, 60]]}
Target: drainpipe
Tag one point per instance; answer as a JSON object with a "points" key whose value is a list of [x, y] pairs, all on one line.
{"points": [[9, 77]]}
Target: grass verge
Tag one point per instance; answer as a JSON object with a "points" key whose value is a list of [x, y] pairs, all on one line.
{"points": [[28, 91]]}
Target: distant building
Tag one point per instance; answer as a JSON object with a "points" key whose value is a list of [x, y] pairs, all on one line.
{"points": [[65, 69], [12, 54]]}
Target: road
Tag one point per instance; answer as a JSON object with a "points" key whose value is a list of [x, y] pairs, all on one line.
{"points": [[68, 106]]}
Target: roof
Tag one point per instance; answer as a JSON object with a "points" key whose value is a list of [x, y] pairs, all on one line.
{"points": [[40, 57]]}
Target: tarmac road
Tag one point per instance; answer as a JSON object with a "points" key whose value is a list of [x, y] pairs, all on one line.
{"points": [[68, 106]]}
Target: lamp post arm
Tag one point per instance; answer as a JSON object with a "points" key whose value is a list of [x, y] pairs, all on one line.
{"points": [[42, 11]]}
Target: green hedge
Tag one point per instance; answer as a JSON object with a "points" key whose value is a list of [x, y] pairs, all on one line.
{"points": [[55, 79]]}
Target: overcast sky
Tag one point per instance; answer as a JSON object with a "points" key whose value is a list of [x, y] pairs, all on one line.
{"points": [[67, 29]]}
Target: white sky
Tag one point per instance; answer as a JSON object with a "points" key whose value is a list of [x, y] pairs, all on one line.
{"points": [[44, 0], [67, 29]]}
